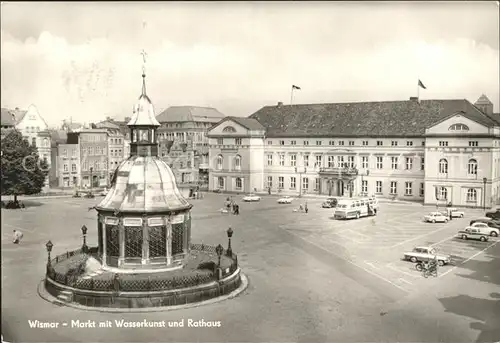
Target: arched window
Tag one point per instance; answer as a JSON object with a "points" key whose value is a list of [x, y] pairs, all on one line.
{"points": [[443, 166], [471, 195], [229, 129], [443, 193], [458, 127], [237, 162], [220, 161], [472, 167], [239, 183], [45, 142]]}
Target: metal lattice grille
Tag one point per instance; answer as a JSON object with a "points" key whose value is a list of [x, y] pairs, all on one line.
{"points": [[177, 238], [157, 241], [133, 241], [112, 240], [188, 231]]}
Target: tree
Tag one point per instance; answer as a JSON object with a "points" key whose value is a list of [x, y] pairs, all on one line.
{"points": [[22, 170]]}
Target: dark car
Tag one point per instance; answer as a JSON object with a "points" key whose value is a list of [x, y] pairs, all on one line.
{"points": [[330, 203], [494, 214], [488, 221]]}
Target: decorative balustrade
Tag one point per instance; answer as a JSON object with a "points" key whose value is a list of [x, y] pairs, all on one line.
{"points": [[341, 171], [130, 283]]}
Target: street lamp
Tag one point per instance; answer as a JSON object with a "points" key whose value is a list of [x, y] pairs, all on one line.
{"points": [[229, 235], [49, 246], [91, 179], [219, 250], [84, 232], [484, 192], [300, 178]]}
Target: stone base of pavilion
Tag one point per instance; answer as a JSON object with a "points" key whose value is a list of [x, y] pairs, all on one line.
{"points": [[199, 279]]}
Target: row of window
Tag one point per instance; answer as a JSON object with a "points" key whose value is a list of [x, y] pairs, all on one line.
{"points": [[91, 151], [237, 141], [32, 129], [471, 166], [93, 137], [116, 141], [116, 152], [341, 143], [341, 161]]}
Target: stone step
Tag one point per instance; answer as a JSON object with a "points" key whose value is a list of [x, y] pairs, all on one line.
{"points": [[66, 292], [63, 297]]}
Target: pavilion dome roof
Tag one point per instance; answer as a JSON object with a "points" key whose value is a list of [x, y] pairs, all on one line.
{"points": [[143, 184]]}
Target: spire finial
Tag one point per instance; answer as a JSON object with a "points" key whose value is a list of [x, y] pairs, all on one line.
{"points": [[144, 55]]}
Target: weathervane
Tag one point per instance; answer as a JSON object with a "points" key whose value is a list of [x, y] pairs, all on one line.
{"points": [[144, 55]]}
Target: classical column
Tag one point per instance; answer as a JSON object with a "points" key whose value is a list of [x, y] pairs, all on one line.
{"points": [[102, 220], [121, 241], [168, 241], [145, 240]]}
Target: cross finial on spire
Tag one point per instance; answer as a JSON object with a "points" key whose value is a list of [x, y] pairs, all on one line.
{"points": [[144, 55]]}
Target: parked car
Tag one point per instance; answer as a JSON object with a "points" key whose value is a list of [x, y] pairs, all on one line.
{"points": [[104, 192], [494, 214], [455, 212], [484, 228], [285, 200], [424, 254], [488, 221], [329, 203], [251, 198], [436, 217], [473, 233]]}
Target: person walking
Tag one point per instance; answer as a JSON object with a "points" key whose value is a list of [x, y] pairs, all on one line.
{"points": [[17, 236], [306, 208]]}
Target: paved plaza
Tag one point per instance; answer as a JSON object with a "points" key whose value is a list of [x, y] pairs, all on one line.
{"points": [[311, 278]]}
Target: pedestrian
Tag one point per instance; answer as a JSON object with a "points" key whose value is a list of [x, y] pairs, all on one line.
{"points": [[269, 190], [17, 236], [236, 209], [306, 208]]}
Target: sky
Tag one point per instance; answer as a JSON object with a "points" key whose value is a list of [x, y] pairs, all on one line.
{"points": [[83, 60]]}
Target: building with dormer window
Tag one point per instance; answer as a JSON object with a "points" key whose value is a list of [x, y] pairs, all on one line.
{"points": [[432, 151]]}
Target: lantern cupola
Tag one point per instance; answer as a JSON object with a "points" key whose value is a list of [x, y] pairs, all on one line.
{"points": [[143, 125]]}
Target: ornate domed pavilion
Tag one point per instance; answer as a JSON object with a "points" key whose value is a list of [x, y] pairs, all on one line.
{"points": [[144, 222]]}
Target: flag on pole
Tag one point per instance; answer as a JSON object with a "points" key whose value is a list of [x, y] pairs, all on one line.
{"points": [[295, 87], [420, 84]]}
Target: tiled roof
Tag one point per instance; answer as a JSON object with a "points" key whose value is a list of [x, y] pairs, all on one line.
{"points": [[483, 100], [7, 117], [388, 118], [190, 114], [107, 124], [249, 123]]}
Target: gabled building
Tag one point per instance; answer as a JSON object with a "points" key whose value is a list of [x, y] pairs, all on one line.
{"points": [[189, 125], [434, 151]]}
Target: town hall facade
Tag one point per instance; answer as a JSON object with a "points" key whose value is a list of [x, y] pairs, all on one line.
{"points": [[432, 151]]}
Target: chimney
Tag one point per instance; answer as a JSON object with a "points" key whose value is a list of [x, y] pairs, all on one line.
{"points": [[413, 98], [280, 104]]}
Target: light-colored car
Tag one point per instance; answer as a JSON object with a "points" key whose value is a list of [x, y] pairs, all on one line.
{"points": [[473, 233], [251, 197], [424, 254], [455, 212], [485, 229], [436, 217], [285, 200]]}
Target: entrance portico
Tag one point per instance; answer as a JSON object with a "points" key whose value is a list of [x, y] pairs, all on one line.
{"points": [[337, 181]]}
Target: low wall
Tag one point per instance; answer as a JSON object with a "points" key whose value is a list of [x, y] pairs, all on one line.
{"points": [[112, 299]]}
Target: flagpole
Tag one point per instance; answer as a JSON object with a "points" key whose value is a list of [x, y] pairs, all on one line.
{"points": [[418, 90], [291, 97]]}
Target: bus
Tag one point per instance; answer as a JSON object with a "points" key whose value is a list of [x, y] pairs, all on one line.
{"points": [[356, 208]]}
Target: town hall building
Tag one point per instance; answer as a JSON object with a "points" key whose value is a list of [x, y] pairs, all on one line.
{"points": [[432, 151]]}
